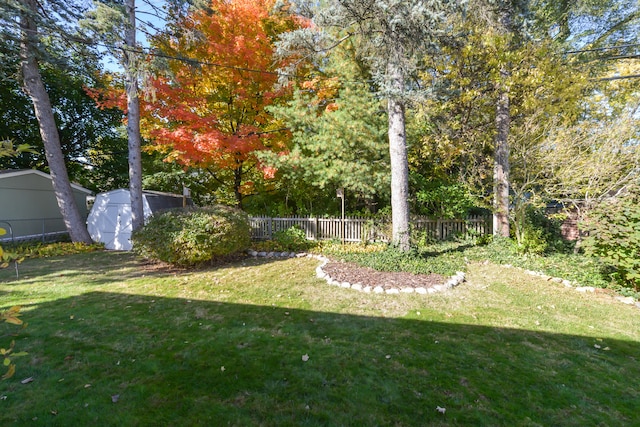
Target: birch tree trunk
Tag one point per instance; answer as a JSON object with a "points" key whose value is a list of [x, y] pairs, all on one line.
{"points": [[133, 120], [398, 160], [34, 88]]}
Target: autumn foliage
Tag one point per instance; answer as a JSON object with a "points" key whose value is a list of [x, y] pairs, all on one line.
{"points": [[211, 112]]}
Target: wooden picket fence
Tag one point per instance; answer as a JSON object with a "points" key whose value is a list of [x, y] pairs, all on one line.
{"points": [[357, 229]]}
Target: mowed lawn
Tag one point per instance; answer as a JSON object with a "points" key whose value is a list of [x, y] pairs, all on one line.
{"points": [[113, 341]]}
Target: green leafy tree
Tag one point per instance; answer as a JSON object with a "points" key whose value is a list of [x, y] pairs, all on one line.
{"points": [[339, 132], [392, 37], [614, 236], [458, 129], [23, 22], [90, 137]]}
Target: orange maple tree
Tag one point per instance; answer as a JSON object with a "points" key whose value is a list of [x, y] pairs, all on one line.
{"points": [[211, 111]]}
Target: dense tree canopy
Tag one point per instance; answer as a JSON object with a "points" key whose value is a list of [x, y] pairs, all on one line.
{"points": [[274, 105], [31, 25], [339, 131], [91, 143], [210, 111]]}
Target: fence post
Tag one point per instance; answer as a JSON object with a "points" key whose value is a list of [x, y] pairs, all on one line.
{"points": [[315, 228], [269, 228]]}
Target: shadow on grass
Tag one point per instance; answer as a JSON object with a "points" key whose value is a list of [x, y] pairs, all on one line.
{"points": [[98, 268], [446, 250], [115, 359]]}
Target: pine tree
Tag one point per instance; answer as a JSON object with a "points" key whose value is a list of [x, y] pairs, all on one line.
{"points": [[33, 17], [392, 37]]}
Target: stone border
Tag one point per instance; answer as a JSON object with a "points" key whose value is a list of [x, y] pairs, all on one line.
{"points": [[575, 285], [452, 282]]}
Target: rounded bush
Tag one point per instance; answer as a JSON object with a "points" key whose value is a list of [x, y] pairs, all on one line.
{"points": [[189, 236]]}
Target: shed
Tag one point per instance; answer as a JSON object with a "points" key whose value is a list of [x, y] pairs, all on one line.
{"points": [[109, 221], [28, 205]]}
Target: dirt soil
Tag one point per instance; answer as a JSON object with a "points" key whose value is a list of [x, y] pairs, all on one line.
{"points": [[353, 273]]}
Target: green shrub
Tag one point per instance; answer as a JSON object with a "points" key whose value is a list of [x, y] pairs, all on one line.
{"points": [[44, 250], [440, 198], [614, 237], [537, 233], [190, 236], [292, 239]]}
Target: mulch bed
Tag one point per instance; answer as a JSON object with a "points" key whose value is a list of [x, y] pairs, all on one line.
{"points": [[366, 276]]}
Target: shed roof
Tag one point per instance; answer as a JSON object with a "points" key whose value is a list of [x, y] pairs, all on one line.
{"points": [[10, 173]]}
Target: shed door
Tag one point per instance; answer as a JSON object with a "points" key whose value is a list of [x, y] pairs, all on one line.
{"points": [[122, 227]]}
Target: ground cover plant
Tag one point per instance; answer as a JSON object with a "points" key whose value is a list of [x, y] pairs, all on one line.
{"points": [[448, 257], [115, 341]]}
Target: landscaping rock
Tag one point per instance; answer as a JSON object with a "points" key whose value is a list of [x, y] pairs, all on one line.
{"points": [[626, 300], [585, 289]]}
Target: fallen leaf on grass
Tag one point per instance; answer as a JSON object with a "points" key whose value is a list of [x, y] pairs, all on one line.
{"points": [[27, 380], [305, 357], [441, 410], [115, 398]]}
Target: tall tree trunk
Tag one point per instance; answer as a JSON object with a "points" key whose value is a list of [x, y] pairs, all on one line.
{"points": [[501, 162], [35, 89], [133, 119], [399, 162], [501, 166], [237, 183]]}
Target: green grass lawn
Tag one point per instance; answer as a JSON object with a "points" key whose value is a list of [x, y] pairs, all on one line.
{"points": [[113, 342]]}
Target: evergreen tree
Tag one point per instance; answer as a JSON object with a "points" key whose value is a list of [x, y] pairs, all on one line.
{"points": [[339, 132], [392, 37], [28, 22]]}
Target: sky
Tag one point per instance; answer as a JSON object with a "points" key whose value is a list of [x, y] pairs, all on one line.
{"points": [[145, 13]]}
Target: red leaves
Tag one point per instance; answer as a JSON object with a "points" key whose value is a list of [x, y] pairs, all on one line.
{"points": [[215, 113]]}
